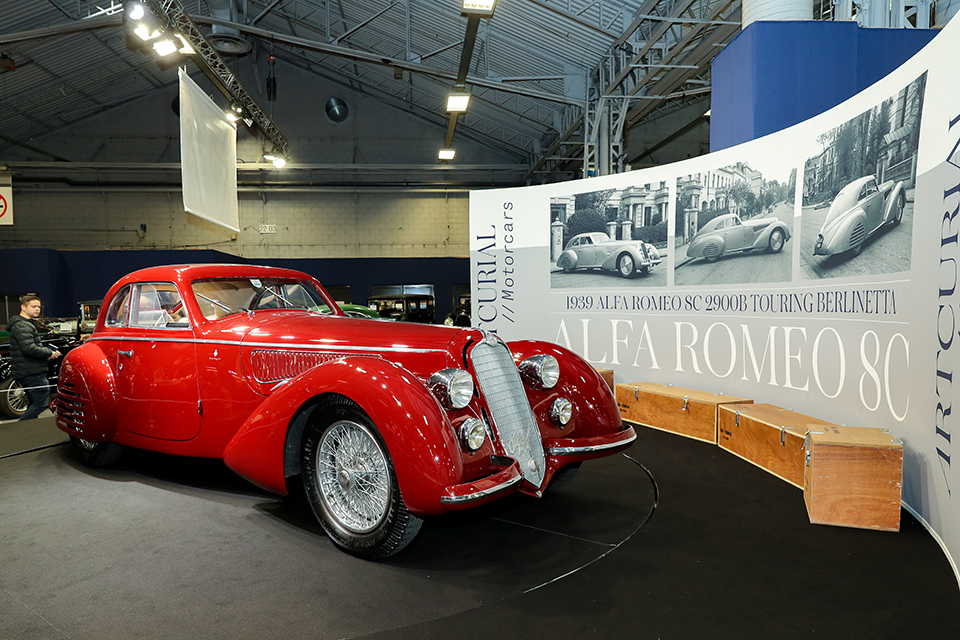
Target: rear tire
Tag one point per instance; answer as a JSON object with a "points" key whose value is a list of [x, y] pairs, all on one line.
{"points": [[13, 399], [349, 480]]}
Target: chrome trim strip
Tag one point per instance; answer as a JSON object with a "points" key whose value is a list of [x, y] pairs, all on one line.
{"points": [[271, 345], [480, 494], [569, 451]]}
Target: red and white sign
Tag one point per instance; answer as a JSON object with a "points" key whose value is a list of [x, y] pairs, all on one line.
{"points": [[6, 205]]}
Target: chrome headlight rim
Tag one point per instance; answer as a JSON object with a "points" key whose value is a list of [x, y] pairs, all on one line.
{"points": [[452, 387], [472, 434], [541, 371], [561, 412]]}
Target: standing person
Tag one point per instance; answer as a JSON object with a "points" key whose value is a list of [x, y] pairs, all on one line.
{"points": [[29, 358]]}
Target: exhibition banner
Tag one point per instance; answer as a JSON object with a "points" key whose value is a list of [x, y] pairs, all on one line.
{"points": [[814, 269], [6, 199]]}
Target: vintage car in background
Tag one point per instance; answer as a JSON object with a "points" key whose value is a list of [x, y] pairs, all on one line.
{"points": [[597, 251], [859, 210], [728, 234], [56, 333], [408, 307], [384, 424]]}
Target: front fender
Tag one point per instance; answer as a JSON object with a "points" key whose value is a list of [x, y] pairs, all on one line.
{"points": [[86, 403], [763, 240], [568, 259], [415, 429]]}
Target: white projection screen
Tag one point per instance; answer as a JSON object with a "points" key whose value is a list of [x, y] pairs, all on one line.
{"points": [[208, 157], [861, 339]]}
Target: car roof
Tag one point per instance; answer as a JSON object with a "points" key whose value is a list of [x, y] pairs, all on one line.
{"points": [[190, 272]]}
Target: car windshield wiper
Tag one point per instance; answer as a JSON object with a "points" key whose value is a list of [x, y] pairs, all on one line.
{"points": [[217, 303]]}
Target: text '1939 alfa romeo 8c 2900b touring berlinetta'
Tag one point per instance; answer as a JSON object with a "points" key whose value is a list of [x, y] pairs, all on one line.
{"points": [[383, 422]]}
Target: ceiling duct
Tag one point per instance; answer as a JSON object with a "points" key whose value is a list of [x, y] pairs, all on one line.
{"points": [[226, 40]]}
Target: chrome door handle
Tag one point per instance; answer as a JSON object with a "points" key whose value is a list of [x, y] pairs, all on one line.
{"points": [[128, 354]]}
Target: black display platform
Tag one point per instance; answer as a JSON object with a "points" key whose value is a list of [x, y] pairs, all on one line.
{"points": [[165, 547]]}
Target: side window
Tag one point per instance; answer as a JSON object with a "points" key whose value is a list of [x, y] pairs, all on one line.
{"points": [[119, 308], [158, 306]]}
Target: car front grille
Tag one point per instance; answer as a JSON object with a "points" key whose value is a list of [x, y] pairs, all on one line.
{"points": [[71, 406], [513, 420]]}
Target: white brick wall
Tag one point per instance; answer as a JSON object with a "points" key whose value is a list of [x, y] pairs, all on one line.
{"points": [[322, 224]]}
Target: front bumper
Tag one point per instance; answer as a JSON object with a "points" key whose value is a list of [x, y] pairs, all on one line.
{"points": [[586, 448], [477, 492]]}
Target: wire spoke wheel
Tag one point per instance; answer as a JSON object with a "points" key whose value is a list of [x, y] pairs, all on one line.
{"points": [[13, 399], [353, 476], [350, 482]]}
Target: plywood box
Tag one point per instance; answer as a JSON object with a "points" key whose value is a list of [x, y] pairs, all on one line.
{"points": [[768, 436], [852, 477], [607, 375], [686, 412]]}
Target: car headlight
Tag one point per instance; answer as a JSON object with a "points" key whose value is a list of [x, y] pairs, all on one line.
{"points": [[561, 411], [452, 387], [472, 434], [541, 371]]}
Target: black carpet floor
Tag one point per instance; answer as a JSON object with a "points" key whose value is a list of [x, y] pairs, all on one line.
{"points": [[165, 547]]}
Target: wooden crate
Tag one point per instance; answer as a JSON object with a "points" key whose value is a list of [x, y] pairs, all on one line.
{"points": [[686, 412], [767, 436], [853, 477], [607, 375]]}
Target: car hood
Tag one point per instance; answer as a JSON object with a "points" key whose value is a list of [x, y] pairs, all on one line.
{"points": [[756, 225], [420, 348]]}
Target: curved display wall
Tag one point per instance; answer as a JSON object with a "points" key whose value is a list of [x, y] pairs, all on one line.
{"points": [[815, 268]]}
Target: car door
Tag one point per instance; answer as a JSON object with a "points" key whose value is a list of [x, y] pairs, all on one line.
{"points": [[871, 201], [156, 366], [738, 235], [587, 253]]}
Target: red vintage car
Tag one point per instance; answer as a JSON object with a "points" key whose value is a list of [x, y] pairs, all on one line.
{"points": [[384, 423]]}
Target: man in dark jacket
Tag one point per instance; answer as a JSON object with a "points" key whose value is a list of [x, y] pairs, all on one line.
{"points": [[29, 358]]}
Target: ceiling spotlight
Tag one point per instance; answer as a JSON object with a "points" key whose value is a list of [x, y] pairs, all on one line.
{"points": [[136, 11], [279, 163], [458, 102], [447, 154], [145, 33], [185, 47], [482, 8], [164, 47]]}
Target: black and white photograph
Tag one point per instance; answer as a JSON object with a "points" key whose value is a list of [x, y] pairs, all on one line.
{"points": [[858, 191], [610, 238], [734, 225]]}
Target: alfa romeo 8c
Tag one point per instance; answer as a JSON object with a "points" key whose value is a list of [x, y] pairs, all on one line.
{"points": [[383, 423]]}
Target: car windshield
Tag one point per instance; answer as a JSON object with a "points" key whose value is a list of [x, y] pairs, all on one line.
{"points": [[219, 298]]}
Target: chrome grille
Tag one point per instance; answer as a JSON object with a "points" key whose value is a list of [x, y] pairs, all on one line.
{"points": [[70, 406], [274, 366], [513, 419]]}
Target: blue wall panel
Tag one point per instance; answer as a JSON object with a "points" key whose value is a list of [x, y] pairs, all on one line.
{"points": [[776, 74], [63, 278]]}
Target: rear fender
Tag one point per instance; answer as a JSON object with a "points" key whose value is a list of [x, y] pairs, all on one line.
{"points": [[87, 394], [891, 201], [417, 432], [568, 259]]}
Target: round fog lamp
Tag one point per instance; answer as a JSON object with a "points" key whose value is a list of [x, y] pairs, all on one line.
{"points": [[541, 371], [472, 434], [561, 411]]}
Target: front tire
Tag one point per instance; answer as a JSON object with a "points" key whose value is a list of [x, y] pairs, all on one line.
{"points": [[776, 241], [13, 399], [901, 204], [351, 485], [626, 266], [96, 454]]}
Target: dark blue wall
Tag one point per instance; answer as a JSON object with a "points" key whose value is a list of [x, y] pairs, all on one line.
{"points": [[776, 74], [63, 278]]}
